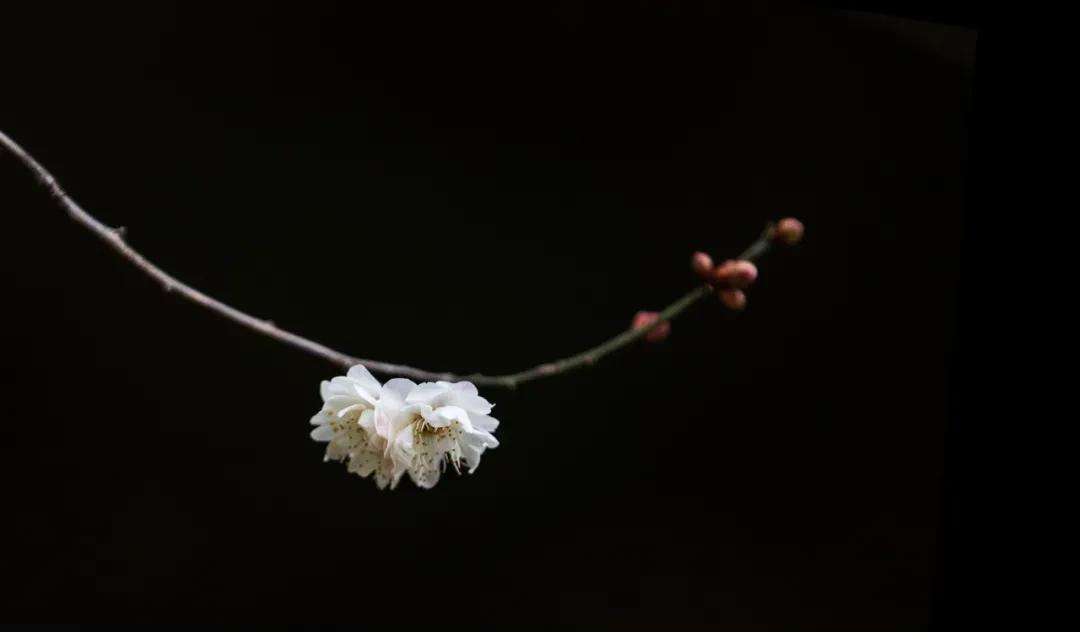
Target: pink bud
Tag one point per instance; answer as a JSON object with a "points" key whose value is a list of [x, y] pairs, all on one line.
{"points": [[788, 230], [745, 272], [733, 299], [656, 334], [702, 264], [737, 274]]}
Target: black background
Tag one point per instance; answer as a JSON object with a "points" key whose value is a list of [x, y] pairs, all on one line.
{"points": [[483, 189]]}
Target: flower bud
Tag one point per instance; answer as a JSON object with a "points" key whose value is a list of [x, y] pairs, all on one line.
{"points": [[788, 231], [702, 264], [736, 274], [656, 334], [733, 299]]}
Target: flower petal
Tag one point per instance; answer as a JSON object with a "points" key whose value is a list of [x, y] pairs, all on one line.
{"points": [[447, 414], [335, 451], [470, 453], [471, 403], [367, 420], [427, 393], [324, 416], [341, 402], [341, 385], [364, 462], [323, 433], [427, 463], [442, 417], [354, 409], [483, 422], [399, 385], [364, 379], [391, 402], [346, 387], [479, 437]]}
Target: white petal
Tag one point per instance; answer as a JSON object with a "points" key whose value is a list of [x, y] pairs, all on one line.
{"points": [[335, 451], [465, 388], [370, 399], [433, 418], [367, 420], [489, 439], [341, 385], [348, 387], [390, 405], [427, 392], [340, 402], [400, 385], [471, 455], [324, 416], [354, 409], [395, 478], [363, 377], [446, 414], [479, 437], [427, 463], [382, 479], [363, 463], [323, 433], [470, 402], [407, 416], [403, 443], [483, 422]]}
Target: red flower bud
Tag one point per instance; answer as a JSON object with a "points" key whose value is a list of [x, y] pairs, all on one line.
{"points": [[733, 299], [656, 334], [788, 231], [736, 274], [702, 264]]}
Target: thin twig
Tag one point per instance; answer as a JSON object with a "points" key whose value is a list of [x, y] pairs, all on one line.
{"points": [[114, 237]]}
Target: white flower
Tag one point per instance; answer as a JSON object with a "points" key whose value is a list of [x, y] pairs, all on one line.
{"points": [[347, 422], [429, 424], [403, 427]]}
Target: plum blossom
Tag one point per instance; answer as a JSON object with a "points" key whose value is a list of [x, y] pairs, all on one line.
{"points": [[434, 423], [347, 423], [403, 427]]}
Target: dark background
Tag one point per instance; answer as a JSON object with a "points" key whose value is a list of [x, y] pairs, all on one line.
{"points": [[483, 189]]}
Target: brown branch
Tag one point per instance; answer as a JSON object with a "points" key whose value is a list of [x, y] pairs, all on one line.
{"points": [[114, 237]]}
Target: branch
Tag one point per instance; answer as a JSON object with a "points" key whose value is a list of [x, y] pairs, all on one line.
{"points": [[114, 237]]}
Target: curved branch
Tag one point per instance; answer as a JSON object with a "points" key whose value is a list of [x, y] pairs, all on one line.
{"points": [[114, 237]]}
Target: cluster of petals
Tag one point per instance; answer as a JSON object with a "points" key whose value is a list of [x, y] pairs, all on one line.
{"points": [[401, 427]]}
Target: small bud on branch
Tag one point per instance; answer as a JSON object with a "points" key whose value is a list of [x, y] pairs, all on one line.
{"points": [[659, 333], [737, 274], [702, 264], [788, 231], [732, 299]]}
